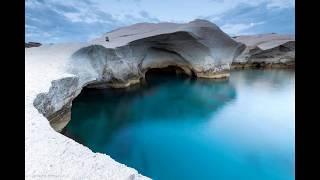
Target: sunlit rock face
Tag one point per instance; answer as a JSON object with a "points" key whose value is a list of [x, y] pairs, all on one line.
{"points": [[56, 104], [266, 50], [121, 57]]}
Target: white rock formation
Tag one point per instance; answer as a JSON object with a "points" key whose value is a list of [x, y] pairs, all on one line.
{"points": [[200, 48], [48, 154], [56, 74], [267, 50]]}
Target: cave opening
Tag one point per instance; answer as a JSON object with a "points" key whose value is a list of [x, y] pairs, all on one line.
{"points": [[158, 75]]}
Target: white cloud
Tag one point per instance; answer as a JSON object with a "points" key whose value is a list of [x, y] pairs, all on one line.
{"points": [[30, 27], [236, 29], [76, 20], [83, 17], [280, 3]]}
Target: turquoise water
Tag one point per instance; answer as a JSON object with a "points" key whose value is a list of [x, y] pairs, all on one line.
{"points": [[176, 128]]}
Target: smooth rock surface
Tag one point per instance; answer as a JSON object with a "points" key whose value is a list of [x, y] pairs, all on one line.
{"points": [[268, 50]]}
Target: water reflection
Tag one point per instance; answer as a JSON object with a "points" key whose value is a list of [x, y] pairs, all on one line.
{"points": [[264, 78]]}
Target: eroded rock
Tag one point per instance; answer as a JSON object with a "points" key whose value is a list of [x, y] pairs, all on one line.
{"points": [[56, 104], [266, 51], [199, 45], [199, 48]]}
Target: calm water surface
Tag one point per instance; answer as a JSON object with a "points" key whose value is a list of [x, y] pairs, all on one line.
{"points": [[175, 128]]}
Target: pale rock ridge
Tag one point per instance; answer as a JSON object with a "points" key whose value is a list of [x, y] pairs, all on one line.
{"points": [[266, 50]]}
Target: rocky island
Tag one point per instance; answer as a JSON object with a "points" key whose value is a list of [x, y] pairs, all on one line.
{"points": [[58, 72]]}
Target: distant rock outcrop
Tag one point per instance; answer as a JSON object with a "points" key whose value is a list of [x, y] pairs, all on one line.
{"points": [[32, 44], [266, 51]]}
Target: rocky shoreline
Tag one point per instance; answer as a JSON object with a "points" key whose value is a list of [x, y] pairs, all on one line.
{"points": [[199, 48], [263, 65], [266, 51]]}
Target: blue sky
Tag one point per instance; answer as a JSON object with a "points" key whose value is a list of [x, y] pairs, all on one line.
{"points": [[53, 21]]}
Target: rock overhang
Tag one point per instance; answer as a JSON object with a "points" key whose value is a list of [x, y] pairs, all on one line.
{"points": [[200, 48]]}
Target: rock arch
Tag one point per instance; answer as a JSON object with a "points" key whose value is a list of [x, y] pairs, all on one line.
{"points": [[199, 48]]}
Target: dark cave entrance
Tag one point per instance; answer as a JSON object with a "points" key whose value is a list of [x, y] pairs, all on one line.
{"points": [[158, 75], [154, 77]]}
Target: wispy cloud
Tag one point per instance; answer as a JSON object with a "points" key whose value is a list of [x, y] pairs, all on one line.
{"points": [[74, 20], [259, 18], [235, 29]]}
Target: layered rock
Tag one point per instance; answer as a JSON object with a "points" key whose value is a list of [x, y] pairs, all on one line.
{"points": [[267, 51], [56, 104]]}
